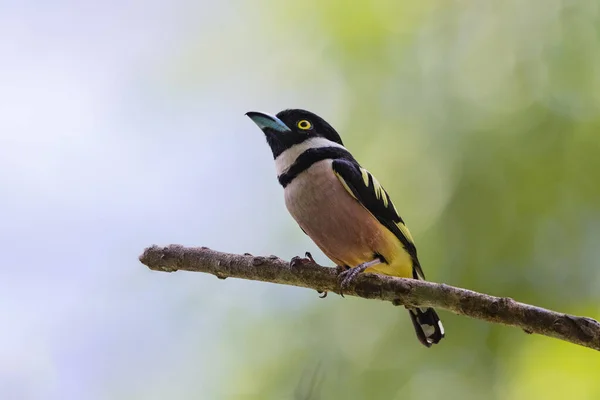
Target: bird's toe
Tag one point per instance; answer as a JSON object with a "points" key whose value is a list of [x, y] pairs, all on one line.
{"points": [[299, 261]]}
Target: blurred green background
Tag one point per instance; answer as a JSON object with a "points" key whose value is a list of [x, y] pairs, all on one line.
{"points": [[122, 125]]}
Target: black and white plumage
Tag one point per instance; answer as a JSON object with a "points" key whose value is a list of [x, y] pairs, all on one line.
{"points": [[341, 206]]}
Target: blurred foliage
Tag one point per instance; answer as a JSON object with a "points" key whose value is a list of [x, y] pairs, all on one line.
{"points": [[482, 120]]}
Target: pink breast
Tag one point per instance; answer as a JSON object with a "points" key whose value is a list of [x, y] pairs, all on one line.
{"points": [[342, 228]]}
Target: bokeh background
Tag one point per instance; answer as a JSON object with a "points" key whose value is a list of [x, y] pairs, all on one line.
{"points": [[122, 125]]}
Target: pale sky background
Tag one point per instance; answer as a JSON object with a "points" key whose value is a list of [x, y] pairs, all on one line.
{"points": [[113, 138]]}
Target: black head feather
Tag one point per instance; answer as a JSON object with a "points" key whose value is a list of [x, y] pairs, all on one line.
{"points": [[320, 127]]}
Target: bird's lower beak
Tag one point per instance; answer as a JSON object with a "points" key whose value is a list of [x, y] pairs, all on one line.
{"points": [[268, 122]]}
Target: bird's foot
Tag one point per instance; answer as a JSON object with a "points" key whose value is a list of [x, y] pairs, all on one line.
{"points": [[341, 268], [346, 277], [299, 261]]}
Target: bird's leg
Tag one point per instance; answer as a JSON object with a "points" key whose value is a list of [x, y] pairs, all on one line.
{"points": [[299, 261], [346, 277]]}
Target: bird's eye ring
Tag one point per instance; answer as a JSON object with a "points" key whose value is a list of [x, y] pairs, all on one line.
{"points": [[304, 125]]}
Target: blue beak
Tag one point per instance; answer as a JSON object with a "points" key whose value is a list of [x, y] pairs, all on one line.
{"points": [[268, 122]]}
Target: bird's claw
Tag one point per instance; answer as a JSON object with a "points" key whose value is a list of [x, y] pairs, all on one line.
{"points": [[299, 261], [346, 277], [308, 258]]}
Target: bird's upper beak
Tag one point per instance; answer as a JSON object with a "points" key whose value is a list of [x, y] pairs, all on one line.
{"points": [[268, 122]]}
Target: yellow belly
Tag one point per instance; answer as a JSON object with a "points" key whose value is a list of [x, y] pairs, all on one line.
{"points": [[340, 226], [399, 261]]}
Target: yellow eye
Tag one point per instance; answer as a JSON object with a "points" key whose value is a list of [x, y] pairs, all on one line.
{"points": [[304, 125]]}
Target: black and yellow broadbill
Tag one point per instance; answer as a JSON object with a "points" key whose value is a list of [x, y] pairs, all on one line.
{"points": [[341, 206]]}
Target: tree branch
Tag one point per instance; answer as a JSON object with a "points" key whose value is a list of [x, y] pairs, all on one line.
{"points": [[409, 292]]}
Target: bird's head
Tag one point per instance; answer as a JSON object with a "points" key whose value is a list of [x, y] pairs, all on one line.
{"points": [[292, 127]]}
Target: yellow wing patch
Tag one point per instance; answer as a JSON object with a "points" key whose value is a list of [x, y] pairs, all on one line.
{"points": [[365, 175], [377, 188], [344, 184], [405, 232]]}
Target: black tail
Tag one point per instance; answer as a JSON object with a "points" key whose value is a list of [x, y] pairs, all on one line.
{"points": [[427, 324]]}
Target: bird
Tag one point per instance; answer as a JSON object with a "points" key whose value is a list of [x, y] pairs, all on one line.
{"points": [[342, 207]]}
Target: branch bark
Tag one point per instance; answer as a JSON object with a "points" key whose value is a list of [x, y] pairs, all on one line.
{"points": [[409, 292]]}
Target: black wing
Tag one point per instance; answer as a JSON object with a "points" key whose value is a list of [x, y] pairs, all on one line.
{"points": [[368, 191]]}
